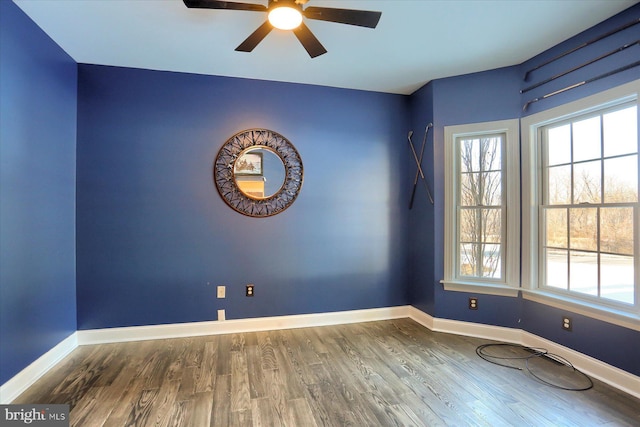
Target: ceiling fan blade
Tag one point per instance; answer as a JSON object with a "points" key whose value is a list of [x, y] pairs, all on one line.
{"points": [[230, 5], [311, 44], [361, 18], [256, 37]]}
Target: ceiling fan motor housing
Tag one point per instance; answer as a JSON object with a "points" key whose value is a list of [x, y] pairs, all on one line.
{"points": [[291, 3]]}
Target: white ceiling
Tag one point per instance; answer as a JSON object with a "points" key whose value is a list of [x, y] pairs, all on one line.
{"points": [[416, 40]]}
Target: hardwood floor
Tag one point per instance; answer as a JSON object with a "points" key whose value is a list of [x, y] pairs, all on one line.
{"points": [[385, 373]]}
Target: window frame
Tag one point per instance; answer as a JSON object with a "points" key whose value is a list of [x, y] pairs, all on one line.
{"points": [[532, 176], [509, 284]]}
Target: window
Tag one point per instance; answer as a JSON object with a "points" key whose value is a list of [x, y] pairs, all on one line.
{"points": [[581, 227], [589, 199], [482, 208]]}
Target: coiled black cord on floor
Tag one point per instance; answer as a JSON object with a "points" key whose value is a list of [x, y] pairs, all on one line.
{"points": [[534, 353]]}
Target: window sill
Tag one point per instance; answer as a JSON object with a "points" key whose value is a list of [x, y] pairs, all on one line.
{"points": [[481, 288], [606, 314]]}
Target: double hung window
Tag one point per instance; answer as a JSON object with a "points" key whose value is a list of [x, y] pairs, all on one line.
{"points": [[589, 201], [581, 224], [481, 207]]}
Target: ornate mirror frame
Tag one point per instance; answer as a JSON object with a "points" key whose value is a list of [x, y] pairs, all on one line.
{"points": [[223, 172]]}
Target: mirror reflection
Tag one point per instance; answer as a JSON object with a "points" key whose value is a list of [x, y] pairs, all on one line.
{"points": [[259, 172]]}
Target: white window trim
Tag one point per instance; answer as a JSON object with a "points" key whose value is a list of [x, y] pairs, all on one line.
{"points": [[510, 286], [531, 175]]}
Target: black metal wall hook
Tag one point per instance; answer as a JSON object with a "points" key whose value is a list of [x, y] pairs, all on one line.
{"points": [[419, 172]]}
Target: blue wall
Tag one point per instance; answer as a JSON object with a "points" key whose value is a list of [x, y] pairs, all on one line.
{"points": [[420, 236], [479, 97], [37, 192], [613, 344], [154, 238], [495, 95]]}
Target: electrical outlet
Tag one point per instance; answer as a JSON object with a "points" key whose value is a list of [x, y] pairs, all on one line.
{"points": [[222, 291], [473, 303], [567, 323], [221, 315], [249, 290]]}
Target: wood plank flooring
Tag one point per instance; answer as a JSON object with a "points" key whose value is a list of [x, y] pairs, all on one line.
{"points": [[385, 373]]}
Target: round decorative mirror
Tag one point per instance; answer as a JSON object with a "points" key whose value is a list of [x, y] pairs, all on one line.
{"points": [[258, 172]]}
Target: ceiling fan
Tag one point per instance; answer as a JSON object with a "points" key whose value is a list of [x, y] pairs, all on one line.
{"points": [[287, 15]]}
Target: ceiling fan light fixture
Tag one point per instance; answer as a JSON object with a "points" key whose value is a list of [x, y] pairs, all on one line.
{"points": [[285, 18], [287, 15]]}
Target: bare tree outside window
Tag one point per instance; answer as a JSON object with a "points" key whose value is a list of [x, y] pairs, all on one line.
{"points": [[590, 199], [481, 206]]}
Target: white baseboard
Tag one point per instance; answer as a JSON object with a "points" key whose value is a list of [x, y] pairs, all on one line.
{"points": [[595, 368], [615, 377], [477, 330], [177, 330], [421, 317], [29, 375], [611, 375]]}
